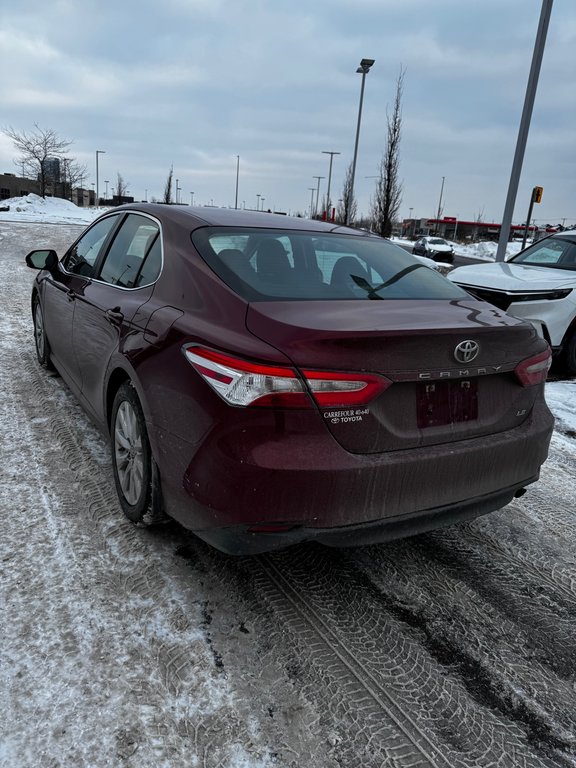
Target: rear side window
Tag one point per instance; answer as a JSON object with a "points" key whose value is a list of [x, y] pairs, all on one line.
{"points": [[134, 259], [268, 265]]}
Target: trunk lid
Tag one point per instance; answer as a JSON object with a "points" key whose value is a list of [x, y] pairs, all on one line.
{"points": [[433, 398]]}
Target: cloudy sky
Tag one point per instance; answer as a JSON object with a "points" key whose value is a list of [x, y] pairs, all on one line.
{"points": [[194, 83]]}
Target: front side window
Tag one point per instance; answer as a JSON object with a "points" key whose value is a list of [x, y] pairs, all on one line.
{"points": [[264, 265], [135, 255], [551, 252], [81, 259]]}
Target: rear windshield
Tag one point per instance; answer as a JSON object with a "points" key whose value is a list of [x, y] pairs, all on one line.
{"points": [[269, 265]]}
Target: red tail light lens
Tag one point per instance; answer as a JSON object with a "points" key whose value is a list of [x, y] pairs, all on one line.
{"points": [[245, 383], [332, 389], [534, 370]]}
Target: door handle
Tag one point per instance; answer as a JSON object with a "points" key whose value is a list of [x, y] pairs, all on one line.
{"points": [[114, 316]]}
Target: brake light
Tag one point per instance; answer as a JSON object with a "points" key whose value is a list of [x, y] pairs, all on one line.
{"points": [[535, 369], [333, 389], [244, 383]]}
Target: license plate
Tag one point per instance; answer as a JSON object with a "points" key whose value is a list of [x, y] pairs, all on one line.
{"points": [[447, 402]]}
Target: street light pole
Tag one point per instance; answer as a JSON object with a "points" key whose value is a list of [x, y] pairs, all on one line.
{"points": [[363, 69], [439, 205], [257, 202], [524, 128], [327, 152], [237, 177], [98, 152], [312, 190], [106, 182], [317, 194], [191, 198]]}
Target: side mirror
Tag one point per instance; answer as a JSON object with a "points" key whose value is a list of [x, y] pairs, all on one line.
{"points": [[42, 260]]}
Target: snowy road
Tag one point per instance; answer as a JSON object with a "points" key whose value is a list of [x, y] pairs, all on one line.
{"points": [[138, 648]]}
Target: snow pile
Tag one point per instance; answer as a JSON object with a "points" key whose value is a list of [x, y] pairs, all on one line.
{"points": [[486, 250], [50, 210]]}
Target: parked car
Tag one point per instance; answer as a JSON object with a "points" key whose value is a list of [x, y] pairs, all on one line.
{"points": [[435, 248], [539, 285], [268, 380]]}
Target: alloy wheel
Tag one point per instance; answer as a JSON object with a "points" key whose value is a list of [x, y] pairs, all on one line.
{"points": [[128, 453]]}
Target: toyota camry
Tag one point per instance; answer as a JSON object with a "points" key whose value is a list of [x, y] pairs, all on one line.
{"points": [[268, 380]]}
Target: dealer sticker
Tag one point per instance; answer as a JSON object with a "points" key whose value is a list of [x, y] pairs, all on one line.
{"points": [[344, 417]]}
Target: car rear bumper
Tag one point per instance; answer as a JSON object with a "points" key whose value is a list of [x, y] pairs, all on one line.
{"points": [[313, 486], [243, 540]]}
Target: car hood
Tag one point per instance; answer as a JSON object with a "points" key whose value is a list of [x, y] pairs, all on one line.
{"points": [[512, 277]]}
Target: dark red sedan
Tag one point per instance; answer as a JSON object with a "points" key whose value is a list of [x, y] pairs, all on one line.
{"points": [[268, 380]]}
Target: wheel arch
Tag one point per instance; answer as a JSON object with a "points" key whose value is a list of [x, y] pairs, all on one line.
{"points": [[117, 377]]}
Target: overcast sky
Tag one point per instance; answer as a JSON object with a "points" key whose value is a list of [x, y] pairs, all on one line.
{"points": [[194, 83]]}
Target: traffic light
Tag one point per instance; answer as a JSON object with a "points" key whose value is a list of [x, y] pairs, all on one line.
{"points": [[537, 194]]}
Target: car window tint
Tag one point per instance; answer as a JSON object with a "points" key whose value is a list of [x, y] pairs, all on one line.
{"points": [[275, 265], [127, 254], [82, 257], [152, 265], [550, 252]]}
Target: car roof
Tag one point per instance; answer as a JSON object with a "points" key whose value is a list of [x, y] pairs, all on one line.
{"points": [[569, 233], [194, 217]]}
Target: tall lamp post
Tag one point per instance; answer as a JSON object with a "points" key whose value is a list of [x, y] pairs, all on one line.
{"points": [[98, 152], [363, 69], [106, 182], [439, 206], [312, 190], [522, 139], [257, 202], [192, 198], [317, 193], [237, 177], [327, 152]]}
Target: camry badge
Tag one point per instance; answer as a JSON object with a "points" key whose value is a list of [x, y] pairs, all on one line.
{"points": [[466, 351]]}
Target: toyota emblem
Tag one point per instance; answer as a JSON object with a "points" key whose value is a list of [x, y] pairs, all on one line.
{"points": [[467, 351]]}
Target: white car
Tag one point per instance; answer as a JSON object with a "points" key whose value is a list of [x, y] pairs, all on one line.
{"points": [[435, 248], [538, 284]]}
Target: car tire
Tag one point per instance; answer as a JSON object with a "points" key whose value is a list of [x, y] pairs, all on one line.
{"points": [[569, 355], [40, 340], [135, 472]]}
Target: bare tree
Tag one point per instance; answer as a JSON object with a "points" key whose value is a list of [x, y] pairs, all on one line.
{"points": [[388, 194], [168, 188], [121, 187], [347, 208], [36, 148], [73, 175]]}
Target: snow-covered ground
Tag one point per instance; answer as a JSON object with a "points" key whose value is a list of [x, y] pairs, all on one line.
{"points": [[126, 647]]}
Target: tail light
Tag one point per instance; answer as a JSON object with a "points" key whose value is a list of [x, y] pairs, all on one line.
{"points": [[534, 370], [245, 383]]}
